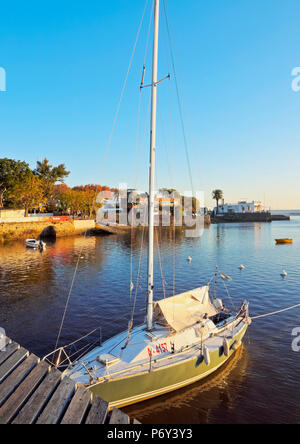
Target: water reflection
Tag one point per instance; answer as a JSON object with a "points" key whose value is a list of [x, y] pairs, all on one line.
{"points": [[262, 386], [198, 401]]}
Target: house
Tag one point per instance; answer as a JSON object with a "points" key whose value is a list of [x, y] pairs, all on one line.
{"points": [[240, 207]]}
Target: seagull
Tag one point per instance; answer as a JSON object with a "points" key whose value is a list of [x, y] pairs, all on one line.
{"points": [[242, 267], [283, 274], [189, 259]]}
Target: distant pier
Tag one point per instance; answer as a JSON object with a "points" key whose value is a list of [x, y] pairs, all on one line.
{"points": [[277, 217], [248, 217]]}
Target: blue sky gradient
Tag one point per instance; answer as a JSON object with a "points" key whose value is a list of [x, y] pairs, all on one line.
{"points": [[66, 62]]}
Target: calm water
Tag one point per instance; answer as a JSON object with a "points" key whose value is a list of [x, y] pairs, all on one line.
{"points": [[259, 385]]}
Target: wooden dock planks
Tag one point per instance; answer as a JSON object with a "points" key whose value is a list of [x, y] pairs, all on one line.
{"points": [[12, 362], [10, 349], [98, 412], [118, 417], [16, 377], [34, 406], [78, 407], [57, 405], [15, 402], [33, 393]]}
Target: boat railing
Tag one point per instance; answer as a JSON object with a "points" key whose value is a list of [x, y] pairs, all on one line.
{"points": [[64, 356]]}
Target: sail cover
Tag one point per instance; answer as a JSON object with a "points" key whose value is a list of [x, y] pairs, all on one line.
{"points": [[185, 309]]}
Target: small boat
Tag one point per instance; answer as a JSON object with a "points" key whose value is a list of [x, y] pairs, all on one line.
{"points": [[34, 243], [284, 241]]}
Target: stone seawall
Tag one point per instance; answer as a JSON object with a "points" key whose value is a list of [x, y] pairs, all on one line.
{"points": [[242, 217], [34, 229]]}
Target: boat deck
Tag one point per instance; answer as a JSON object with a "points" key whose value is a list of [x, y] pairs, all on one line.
{"points": [[125, 366]]}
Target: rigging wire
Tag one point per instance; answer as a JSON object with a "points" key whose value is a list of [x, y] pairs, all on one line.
{"points": [[123, 89], [68, 298], [185, 102], [103, 164], [137, 285], [137, 150], [160, 262], [178, 97]]}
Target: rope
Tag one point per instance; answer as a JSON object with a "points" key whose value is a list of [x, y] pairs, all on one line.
{"points": [[123, 89], [138, 275], [178, 98], [226, 289], [136, 153], [104, 161], [275, 312], [68, 298], [160, 264], [184, 97]]}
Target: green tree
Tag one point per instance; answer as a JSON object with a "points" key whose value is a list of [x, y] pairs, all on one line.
{"points": [[217, 195], [50, 175], [12, 172]]}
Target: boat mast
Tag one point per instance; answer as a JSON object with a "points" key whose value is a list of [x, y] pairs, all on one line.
{"points": [[152, 168]]}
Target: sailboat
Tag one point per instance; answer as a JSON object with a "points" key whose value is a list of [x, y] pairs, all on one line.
{"points": [[184, 338]]}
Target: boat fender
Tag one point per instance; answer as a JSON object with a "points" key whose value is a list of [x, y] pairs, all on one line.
{"points": [[226, 347], [206, 355], [236, 345], [218, 303]]}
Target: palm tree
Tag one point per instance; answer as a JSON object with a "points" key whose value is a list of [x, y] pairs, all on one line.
{"points": [[217, 195]]}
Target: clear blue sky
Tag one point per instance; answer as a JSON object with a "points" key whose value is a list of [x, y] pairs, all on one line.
{"points": [[66, 62]]}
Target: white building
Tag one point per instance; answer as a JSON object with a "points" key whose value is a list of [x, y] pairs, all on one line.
{"points": [[240, 207]]}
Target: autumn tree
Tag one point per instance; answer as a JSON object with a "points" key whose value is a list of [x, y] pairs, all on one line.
{"points": [[28, 193], [12, 172]]}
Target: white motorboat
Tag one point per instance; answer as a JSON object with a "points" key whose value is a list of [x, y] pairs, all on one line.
{"points": [[34, 243]]}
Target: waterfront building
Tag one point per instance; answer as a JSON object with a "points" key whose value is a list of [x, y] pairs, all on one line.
{"points": [[240, 207]]}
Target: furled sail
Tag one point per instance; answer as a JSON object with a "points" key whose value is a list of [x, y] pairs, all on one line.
{"points": [[184, 310]]}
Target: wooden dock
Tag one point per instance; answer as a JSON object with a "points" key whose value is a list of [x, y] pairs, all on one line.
{"points": [[31, 392]]}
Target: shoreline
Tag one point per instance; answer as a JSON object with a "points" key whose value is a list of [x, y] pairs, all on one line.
{"points": [[249, 217], [11, 231]]}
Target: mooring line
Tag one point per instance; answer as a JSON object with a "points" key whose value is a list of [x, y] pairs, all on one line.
{"points": [[275, 312]]}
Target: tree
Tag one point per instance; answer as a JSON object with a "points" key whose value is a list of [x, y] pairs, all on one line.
{"points": [[50, 175], [217, 195], [55, 202], [12, 172], [90, 202], [29, 193]]}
